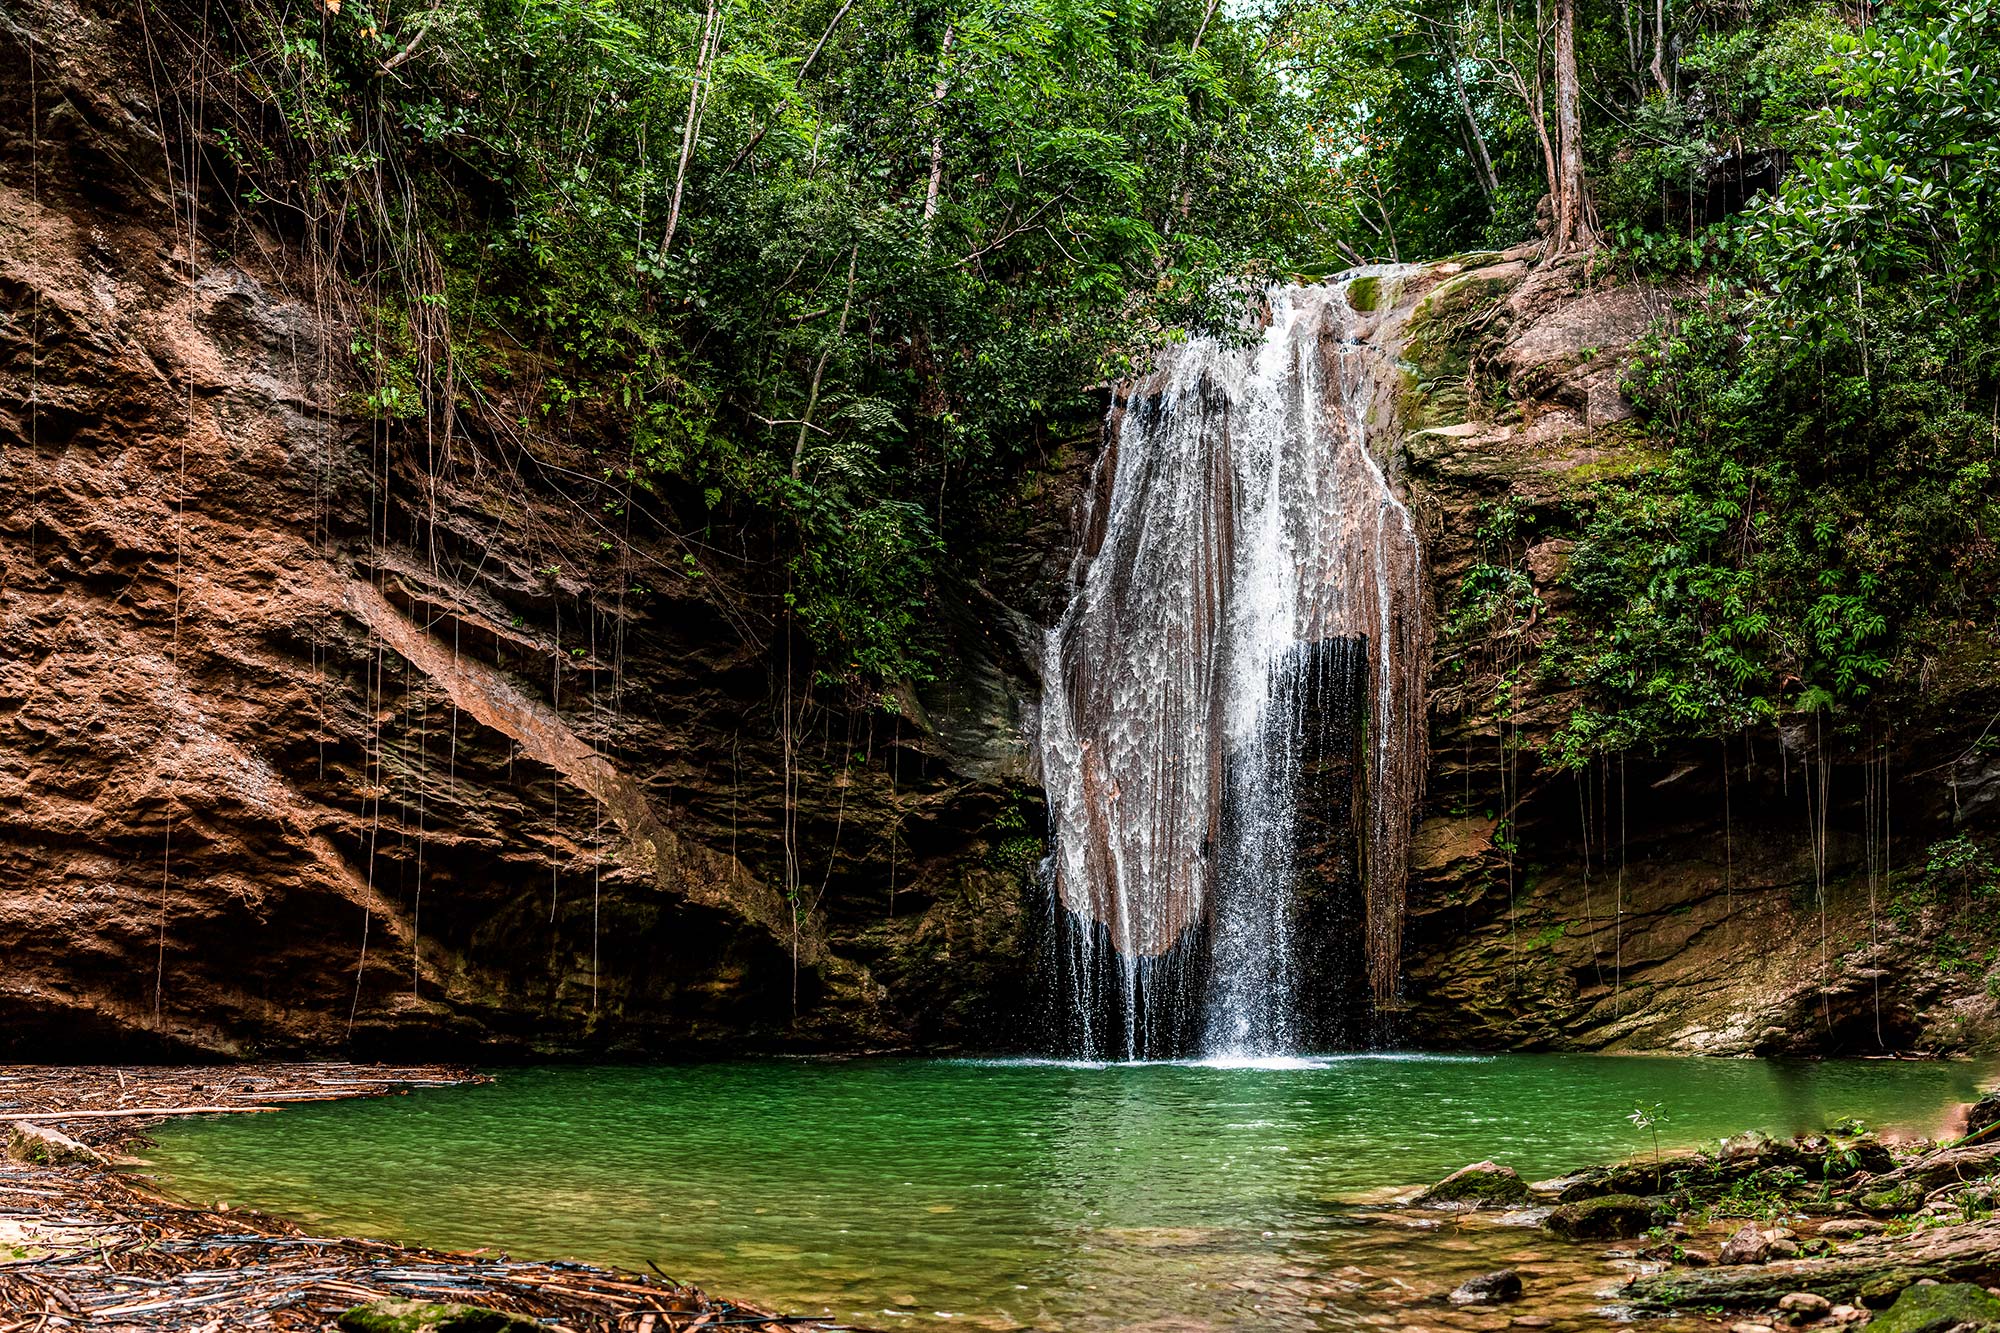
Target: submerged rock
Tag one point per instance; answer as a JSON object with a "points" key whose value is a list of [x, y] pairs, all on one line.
{"points": [[1951, 1307], [1610, 1217], [432, 1317], [1488, 1289], [1482, 1184]]}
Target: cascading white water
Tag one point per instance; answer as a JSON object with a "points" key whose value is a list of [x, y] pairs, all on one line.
{"points": [[1246, 596]]}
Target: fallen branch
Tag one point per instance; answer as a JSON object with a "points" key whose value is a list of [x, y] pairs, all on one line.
{"points": [[145, 1110]]}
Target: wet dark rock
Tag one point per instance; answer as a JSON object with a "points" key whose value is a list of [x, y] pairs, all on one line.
{"points": [[1984, 1112], [1611, 1217], [1488, 1289], [1483, 1184], [1952, 1307]]}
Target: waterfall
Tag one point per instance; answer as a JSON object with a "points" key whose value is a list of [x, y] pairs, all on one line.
{"points": [[1232, 712]]}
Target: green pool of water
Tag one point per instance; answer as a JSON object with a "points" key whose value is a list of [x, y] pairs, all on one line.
{"points": [[897, 1193]]}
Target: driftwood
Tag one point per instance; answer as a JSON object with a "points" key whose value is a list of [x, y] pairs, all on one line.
{"points": [[105, 1250], [154, 1112]]}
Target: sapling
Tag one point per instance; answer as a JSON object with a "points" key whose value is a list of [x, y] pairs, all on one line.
{"points": [[1649, 1119]]}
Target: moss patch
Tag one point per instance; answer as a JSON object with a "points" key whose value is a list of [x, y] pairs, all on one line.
{"points": [[432, 1317], [1948, 1305]]}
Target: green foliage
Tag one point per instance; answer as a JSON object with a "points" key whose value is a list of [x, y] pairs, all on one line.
{"points": [[1961, 866], [1821, 524], [902, 236]]}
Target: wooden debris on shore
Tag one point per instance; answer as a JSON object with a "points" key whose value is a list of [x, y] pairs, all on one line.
{"points": [[97, 1250]]}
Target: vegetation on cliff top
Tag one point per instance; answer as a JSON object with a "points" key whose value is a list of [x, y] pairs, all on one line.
{"points": [[822, 270], [1809, 531], [822, 275]]}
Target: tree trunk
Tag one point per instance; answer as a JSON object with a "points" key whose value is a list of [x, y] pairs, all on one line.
{"points": [[1489, 183], [710, 38], [1660, 47], [1572, 229], [937, 140]]}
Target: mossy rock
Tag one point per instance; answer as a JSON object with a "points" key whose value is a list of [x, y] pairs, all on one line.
{"points": [[1481, 1185], [1956, 1306], [1365, 293], [432, 1317], [1903, 1197], [1610, 1217], [38, 1145]]}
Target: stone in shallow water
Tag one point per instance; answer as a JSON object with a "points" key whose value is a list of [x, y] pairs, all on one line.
{"points": [[1475, 1186], [432, 1317], [1488, 1289], [1804, 1306], [1948, 1307], [1612, 1217]]}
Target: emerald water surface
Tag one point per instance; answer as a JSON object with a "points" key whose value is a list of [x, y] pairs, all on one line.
{"points": [[1007, 1194]]}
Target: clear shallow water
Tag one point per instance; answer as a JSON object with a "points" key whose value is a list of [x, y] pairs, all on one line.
{"points": [[1003, 1195]]}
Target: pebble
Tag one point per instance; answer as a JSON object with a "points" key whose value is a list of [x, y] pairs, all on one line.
{"points": [[1747, 1327], [1530, 1321]]}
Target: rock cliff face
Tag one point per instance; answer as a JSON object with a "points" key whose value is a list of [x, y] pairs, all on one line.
{"points": [[314, 735], [1678, 901]]}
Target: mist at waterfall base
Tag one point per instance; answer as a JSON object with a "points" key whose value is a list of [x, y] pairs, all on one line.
{"points": [[1231, 732], [1064, 1197]]}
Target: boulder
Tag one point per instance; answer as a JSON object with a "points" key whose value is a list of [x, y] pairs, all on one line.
{"points": [[1982, 1113], [1488, 1289], [1748, 1245], [1611, 1217], [1481, 1185], [1949, 1307], [1890, 1199], [432, 1317], [1805, 1307], [29, 1142]]}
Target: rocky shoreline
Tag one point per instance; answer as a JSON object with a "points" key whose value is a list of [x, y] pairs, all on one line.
{"points": [[1834, 1230], [86, 1245]]}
